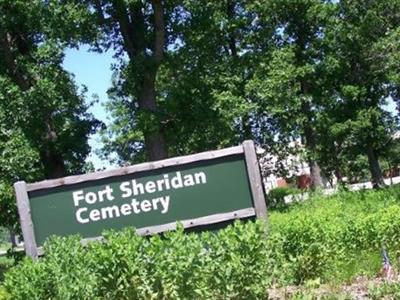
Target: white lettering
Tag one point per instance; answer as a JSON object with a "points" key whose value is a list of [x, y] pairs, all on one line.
{"points": [[77, 196], [94, 215], [166, 180], [106, 192], [78, 215], [110, 212], [135, 205], [155, 201], [176, 182], [188, 180], [126, 209], [150, 187], [124, 187], [145, 205], [90, 198], [137, 188], [200, 178], [160, 184], [165, 204]]}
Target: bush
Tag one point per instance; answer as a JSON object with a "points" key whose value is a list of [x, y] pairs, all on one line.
{"points": [[6, 262], [324, 238], [337, 237], [276, 197], [231, 264], [4, 295]]}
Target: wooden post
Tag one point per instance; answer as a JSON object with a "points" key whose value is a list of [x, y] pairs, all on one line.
{"points": [[26, 219], [253, 171]]}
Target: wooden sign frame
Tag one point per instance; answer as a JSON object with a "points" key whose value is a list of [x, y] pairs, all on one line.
{"points": [[256, 186]]}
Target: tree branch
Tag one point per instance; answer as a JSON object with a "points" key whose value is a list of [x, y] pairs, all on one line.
{"points": [[230, 9], [121, 16], [13, 70], [159, 27]]}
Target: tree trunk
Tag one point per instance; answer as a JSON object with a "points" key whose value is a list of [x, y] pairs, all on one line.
{"points": [[246, 133], [338, 174], [156, 146], [315, 173], [230, 10], [391, 169], [315, 170], [375, 168], [13, 238], [134, 31], [54, 166]]}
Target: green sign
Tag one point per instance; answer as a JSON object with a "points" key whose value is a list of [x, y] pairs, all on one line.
{"points": [[196, 190]]}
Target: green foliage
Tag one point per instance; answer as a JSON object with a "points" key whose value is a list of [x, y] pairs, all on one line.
{"points": [[338, 237], [324, 239], [44, 123], [386, 290], [230, 264], [276, 197], [4, 295], [6, 263]]}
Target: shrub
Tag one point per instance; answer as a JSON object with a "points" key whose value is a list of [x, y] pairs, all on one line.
{"points": [[230, 264], [6, 263], [337, 237], [276, 197], [326, 238], [4, 295]]}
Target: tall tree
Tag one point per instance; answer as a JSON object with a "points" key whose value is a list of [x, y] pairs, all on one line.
{"points": [[364, 82], [290, 84], [139, 31], [37, 94], [44, 124], [211, 69], [201, 84]]}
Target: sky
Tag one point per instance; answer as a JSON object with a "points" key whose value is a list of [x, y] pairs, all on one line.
{"points": [[92, 70]]}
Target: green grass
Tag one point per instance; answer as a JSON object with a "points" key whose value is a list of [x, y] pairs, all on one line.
{"points": [[339, 237]]}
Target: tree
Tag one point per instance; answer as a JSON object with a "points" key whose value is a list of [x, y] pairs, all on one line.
{"points": [[201, 83], [291, 84], [44, 124], [389, 51], [210, 70], [363, 83], [139, 31], [37, 95]]}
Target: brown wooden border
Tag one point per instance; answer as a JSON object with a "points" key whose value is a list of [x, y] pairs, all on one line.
{"points": [[248, 149], [24, 211]]}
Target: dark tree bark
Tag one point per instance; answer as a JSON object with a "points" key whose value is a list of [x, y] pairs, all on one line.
{"points": [[155, 142], [306, 110], [338, 174], [311, 144], [52, 160], [315, 174], [54, 166], [230, 10], [375, 168], [315, 170], [6, 47], [133, 30]]}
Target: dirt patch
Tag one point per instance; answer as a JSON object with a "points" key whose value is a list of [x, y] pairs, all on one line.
{"points": [[360, 289]]}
